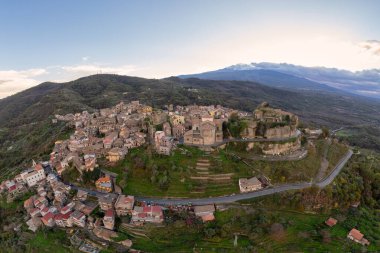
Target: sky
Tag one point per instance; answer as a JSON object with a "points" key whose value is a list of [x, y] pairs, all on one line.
{"points": [[51, 40]]}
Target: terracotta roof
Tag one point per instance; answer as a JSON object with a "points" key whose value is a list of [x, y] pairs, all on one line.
{"points": [[63, 216], [331, 222], [208, 217], [156, 209], [38, 167], [47, 217], [142, 215], [28, 203], [12, 188], [105, 179], [58, 217], [65, 208], [153, 209], [356, 234], [110, 213]]}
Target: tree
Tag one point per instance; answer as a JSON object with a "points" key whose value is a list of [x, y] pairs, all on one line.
{"points": [[325, 132]]}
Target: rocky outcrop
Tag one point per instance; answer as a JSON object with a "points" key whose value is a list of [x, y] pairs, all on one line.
{"points": [[280, 132], [279, 148]]}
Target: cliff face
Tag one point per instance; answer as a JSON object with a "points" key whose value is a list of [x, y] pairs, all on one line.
{"points": [[281, 148], [280, 132], [276, 148]]}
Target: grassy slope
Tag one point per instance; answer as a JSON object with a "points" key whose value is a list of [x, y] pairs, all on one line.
{"points": [[303, 233], [304, 230], [180, 167]]}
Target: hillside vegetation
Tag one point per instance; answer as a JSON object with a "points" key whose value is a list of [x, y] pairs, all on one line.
{"points": [[26, 130]]}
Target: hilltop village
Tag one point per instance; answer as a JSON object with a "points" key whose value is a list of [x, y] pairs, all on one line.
{"points": [[111, 133]]}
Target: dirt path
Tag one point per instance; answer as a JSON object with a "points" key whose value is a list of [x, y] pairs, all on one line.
{"points": [[324, 162]]}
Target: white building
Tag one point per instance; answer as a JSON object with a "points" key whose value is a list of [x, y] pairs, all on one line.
{"points": [[33, 176]]}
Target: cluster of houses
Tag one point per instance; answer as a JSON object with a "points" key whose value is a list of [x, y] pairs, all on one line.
{"points": [[54, 204], [354, 234], [19, 185], [108, 132], [111, 132]]}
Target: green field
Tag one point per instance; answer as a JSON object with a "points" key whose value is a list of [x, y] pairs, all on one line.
{"points": [[144, 173], [49, 241], [302, 232]]}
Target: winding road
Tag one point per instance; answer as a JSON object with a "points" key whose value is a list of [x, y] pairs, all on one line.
{"points": [[240, 196]]}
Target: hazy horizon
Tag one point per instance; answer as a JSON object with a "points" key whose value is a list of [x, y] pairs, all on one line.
{"points": [[63, 41]]}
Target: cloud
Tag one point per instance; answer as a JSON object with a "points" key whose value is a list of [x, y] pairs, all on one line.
{"points": [[13, 81], [97, 69], [372, 46]]}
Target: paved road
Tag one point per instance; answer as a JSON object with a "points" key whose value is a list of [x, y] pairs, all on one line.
{"points": [[328, 180], [240, 196]]}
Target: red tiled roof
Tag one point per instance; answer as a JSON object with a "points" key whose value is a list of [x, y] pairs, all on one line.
{"points": [[65, 209], [38, 167], [356, 234], [65, 216], [147, 209], [12, 188], [110, 213], [103, 180], [58, 217], [47, 217], [152, 209], [331, 222], [208, 217], [28, 202], [156, 209], [142, 215]]}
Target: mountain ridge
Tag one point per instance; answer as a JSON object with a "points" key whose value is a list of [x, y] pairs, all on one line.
{"points": [[363, 83]]}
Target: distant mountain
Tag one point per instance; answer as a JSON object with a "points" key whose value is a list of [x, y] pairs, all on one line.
{"points": [[26, 130], [263, 76], [288, 76]]}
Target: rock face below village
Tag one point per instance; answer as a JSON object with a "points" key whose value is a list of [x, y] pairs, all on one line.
{"points": [[277, 148]]}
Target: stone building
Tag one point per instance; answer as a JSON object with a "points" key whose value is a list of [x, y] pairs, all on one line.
{"points": [[205, 131], [248, 185], [178, 131]]}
